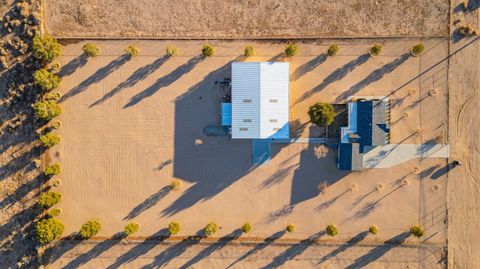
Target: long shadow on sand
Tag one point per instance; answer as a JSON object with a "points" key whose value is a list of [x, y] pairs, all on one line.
{"points": [[73, 65], [149, 202], [309, 66], [350, 243]]}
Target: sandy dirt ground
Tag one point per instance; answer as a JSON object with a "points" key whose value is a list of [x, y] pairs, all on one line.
{"points": [[246, 18], [464, 239], [131, 126]]}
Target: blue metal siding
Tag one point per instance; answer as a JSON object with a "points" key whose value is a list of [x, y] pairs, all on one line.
{"points": [[226, 114]]}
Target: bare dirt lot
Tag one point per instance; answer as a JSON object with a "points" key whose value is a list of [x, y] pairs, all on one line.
{"points": [[246, 18], [131, 126]]}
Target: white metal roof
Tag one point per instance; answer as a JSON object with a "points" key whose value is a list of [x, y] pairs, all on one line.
{"points": [[260, 100]]}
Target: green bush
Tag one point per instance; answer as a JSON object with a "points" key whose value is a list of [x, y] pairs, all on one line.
{"points": [[210, 229], [132, 51], [47, 230], [208, 50], [171, 51], [54, 212], [175, 185], [53, 169], [47, 109], [131, 228], [49, 199], [90, 228], [322, 114], [173, 228], [333, 50], [291, 50], [247, 227], [91, 50], [46, 80], [332, 230], [418, 49], [373, 229], [417, 231], [45, 48], [290, 228], [249, 51], [50, 139], [376, 50]]}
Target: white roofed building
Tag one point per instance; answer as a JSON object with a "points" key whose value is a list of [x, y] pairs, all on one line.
{"points": [[260, 100]]}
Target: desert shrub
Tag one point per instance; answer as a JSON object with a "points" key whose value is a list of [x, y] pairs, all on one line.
{"points": [[291, 50], [90, 228], [247, 227], [46, 80], [249, 51], [208, 50], [47, 230], [173, 228], [210, 229], [45, 48], [175, 185], [49, 199], [373, 229], [376, 50], [132, 51], [172, 51], [53, 169], [131, 228], [54, 212], [322, 114], [91, 50], [418, 49], [332, 230], [47, 110], [417, 231], [50, 139], [290, 228], [333, 50]]}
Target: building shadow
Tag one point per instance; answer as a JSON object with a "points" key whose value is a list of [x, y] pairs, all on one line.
{"points": [[73, 65], [139, 75], [165, 80], [95, 251], [350, 243], [140, 249], [151, 201], [375, 76], [222, 242], [293, 251], [258, 247], [336, 75], [309, 66], [378, 251], [98, 76]]}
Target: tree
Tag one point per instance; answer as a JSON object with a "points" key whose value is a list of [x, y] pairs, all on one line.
{"points": [[417, 231], [91, 50], [171, 51], [173, 228], [210, 229], [45, 48], [53, 169], [375, 50], [249, 51], [417, 49], [208, 50], [47, 81], [290, 228], [373, 229], [49, 199], [49, 140], [333, 50], [47, 230], [291, 50], [132, 51], [322, 114], [90, 228], [246, 228], [131, 228], [332, 230], [47, 109]]}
